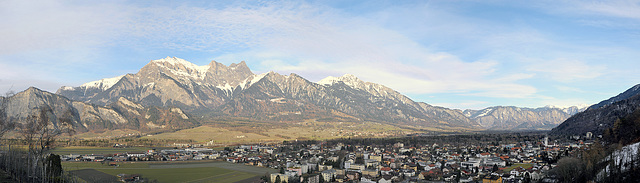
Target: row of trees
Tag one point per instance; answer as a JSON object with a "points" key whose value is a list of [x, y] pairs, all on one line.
{"points": [[29, 160]]}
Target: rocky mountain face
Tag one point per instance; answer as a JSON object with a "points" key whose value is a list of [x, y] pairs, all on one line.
{"points": [[216, 91], [121, 114], [515, 118], [602, 115]]}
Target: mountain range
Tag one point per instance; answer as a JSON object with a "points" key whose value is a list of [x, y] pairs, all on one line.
{"points": [[172, 93]]}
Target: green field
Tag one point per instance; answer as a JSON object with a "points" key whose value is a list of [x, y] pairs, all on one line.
{"points": [[191, 171], [206, 174], [514, 166]]}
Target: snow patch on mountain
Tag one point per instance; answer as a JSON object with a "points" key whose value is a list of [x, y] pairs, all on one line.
{"points": [[102, 84], [244, 84], [484, 113], [182, 67], [225, 87], [348, 79], [257, 78], [571, 109], [67, 88], [328, 80], [624, 158]]}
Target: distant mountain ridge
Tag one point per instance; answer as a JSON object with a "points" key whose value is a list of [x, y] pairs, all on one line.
{"points": [[516, 118], [216, 91]]}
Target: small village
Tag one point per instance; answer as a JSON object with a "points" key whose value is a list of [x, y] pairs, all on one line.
{"points": [[311, 161]]}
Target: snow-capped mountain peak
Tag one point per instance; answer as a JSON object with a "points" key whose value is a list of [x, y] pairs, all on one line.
{"points": [[182, 67], [571, 109], [102, 84], [348, 79], [244, 84]]}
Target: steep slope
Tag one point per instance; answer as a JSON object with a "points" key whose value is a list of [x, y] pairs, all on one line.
{"points": [[122, 114], [23, 104], [635, 90], [596, 119], [169, 82], [515, 118]]}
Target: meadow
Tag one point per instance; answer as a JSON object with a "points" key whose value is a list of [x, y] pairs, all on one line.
{"points": [[189, 171], [308, 130]]}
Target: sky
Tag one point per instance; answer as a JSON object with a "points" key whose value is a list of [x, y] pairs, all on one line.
{"points": [[456, 54]]}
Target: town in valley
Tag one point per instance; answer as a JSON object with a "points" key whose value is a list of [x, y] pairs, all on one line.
{"points": [[508, 157]]}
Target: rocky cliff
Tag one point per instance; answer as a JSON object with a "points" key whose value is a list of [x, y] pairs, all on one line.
{"points": [[121, 114]]}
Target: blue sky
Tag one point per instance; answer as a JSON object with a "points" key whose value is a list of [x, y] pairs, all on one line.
{"points": [[457, 54]]}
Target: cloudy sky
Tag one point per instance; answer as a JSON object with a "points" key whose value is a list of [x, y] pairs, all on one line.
{"points": [[457, 54]]}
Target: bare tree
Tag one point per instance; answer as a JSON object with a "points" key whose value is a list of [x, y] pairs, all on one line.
{"points": [[6, 124], [39, 131]]}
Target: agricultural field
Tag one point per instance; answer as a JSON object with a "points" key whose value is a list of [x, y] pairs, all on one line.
{"points": [[308, 130], [514, 166], [197, 171]]}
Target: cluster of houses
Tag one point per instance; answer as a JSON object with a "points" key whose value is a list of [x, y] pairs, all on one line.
{"points": [[149, 155], [321, 162], [522, 162]]}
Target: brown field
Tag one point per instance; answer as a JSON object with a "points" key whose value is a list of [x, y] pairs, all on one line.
{"points": [[301, 131], [244, 131]]}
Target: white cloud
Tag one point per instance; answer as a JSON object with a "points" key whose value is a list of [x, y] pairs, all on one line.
{"points": [[318, 46], [29, 26], [616, 8], [566, 70]]}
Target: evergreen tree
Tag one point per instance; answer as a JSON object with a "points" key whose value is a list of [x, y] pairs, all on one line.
{"points": [[278, 179]]}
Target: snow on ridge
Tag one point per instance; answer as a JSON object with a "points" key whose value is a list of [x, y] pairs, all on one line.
{"points": [[67, 88], [192, 70], [485, 113], [103, 84], [348, 79], [244, 84], [328, 80], [226, 86], [257, 78]]}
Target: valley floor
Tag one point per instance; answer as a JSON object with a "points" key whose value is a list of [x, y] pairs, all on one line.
{"points": [[185, 171]]}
